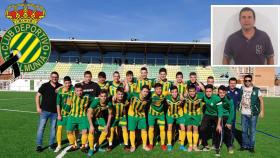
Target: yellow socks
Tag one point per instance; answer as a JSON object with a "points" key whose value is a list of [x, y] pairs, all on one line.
{"points": [[91, 141], [71, 138], [144, 137], [132, 138], [84, 139], [182, 136], [111, 138], [59, 135], [169, 137], [195, 138], [162, 134], [102, 137], [189, 136], [151, 136], [125, 136]]}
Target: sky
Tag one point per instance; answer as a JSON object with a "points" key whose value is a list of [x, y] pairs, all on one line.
{"points": [[146, 20]]}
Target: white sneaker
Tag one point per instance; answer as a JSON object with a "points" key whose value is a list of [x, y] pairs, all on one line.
{"points": [[132, 149], [57, 149]]}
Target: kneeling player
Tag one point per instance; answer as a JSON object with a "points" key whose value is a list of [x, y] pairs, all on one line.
{"points": [[175, 113]]}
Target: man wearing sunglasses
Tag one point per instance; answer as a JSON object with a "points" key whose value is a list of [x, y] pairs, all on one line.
{"points": [[251, 106]]}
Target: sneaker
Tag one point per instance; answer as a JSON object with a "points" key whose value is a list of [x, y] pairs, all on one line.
{"points": [[213, 148], [132, 149], [90, 152], [230, 150], [251, 150], [183, 148], [217, 153], [126, 148], [146, 148], [73, 148], [163, 147], [84, 149], [109, 148], [58, 148], [39, 149], [151, 147], [169, 147], [205, 148], [190, 148], [52, 147], [195, 149]]}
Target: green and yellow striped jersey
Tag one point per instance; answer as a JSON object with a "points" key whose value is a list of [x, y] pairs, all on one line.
{"points": [[61, 99], [141, 82], [113, 87], [182, 87], [193, 106], [137, 105], [100, 110], [132, 87], [166, 85], [104, 85], [156, 104], [118, 109], [175, 106], [78, 104]]}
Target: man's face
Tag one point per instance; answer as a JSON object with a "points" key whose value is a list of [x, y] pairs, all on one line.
{"points": [[232, 84], [116, 77], [79, 91], [103, 97], [222, 93], [101, 79], [54, 78], [193, 78], [119, 96], [144, 74], [174, 93], [247, 20], [158, 90], [192, 92], [129, 78], [144, 92], [162, 75], [87, 78], [67, 84], [210, 81], [208, 92], [247, 82], [179, 78]]}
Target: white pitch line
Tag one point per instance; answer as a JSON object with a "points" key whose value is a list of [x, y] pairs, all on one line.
{"points": [[31, 112], [63, 152]]}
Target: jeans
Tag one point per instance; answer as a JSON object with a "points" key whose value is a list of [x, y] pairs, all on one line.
{"points": [[248, 123], [44, 116]]}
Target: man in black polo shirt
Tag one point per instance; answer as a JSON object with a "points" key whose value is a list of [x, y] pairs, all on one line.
{"points": [[90, 87], [46, 107], [248, 46]]}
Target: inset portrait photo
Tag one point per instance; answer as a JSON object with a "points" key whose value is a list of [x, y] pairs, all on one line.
{"points": [[244, 35]]}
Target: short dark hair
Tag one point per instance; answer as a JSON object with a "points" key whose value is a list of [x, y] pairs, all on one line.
{"points": [[144, 68], [210, 77], [232, 79], [116, 72], [102, 74], [173, 87], [157, 85], [223, 88], [54, 73], [120, 89], [192, 86], [247, 9], [145, 86], [248, 76], [179, 73], [209, 86], [192, 74], [162, 70], [87, 73], [78, 85], [66, 78], [129, 73], [103, 91]]}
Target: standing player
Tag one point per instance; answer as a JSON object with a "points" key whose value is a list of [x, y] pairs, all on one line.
{"points": [[175, 113], [62, 108], [77, 117], [166, 85], [103, 84], [90, 88], [143, 80], [156, 114], [137, 116], [193, 114], [193, 81], [129, 81], [97, 114], [179, 83], [211, 81], [115, 83]]}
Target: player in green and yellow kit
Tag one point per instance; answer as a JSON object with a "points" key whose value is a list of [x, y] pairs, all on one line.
{"points": [[166, 85], [137, 117], [179, 83], [130, 82], [175, 113], [193, 114], [143, 80], [102, 83], [113, 85], [156, 114], [63, 109], [78, 102], [97, 115]]}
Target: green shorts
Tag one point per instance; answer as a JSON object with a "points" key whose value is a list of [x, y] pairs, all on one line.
{"points": [[62, 122], [152, 119], [100, 123], [179, 120], [192, 120], [119, 122], [72, 122], [139, 122]]}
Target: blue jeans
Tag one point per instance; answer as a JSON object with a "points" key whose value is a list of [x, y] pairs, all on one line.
{"points": [[44, 116], [249, 124]]}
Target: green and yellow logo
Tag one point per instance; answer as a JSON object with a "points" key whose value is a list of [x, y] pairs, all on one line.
{"points": [[26, 42]]}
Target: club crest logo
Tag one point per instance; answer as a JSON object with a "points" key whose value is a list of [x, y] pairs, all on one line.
{"points": [[25, 45]]}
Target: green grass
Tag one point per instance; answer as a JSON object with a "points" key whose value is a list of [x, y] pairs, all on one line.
{"points": [[18, 133]]}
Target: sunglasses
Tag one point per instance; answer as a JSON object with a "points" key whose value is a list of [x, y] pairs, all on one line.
{"points": [[247, 80]]}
